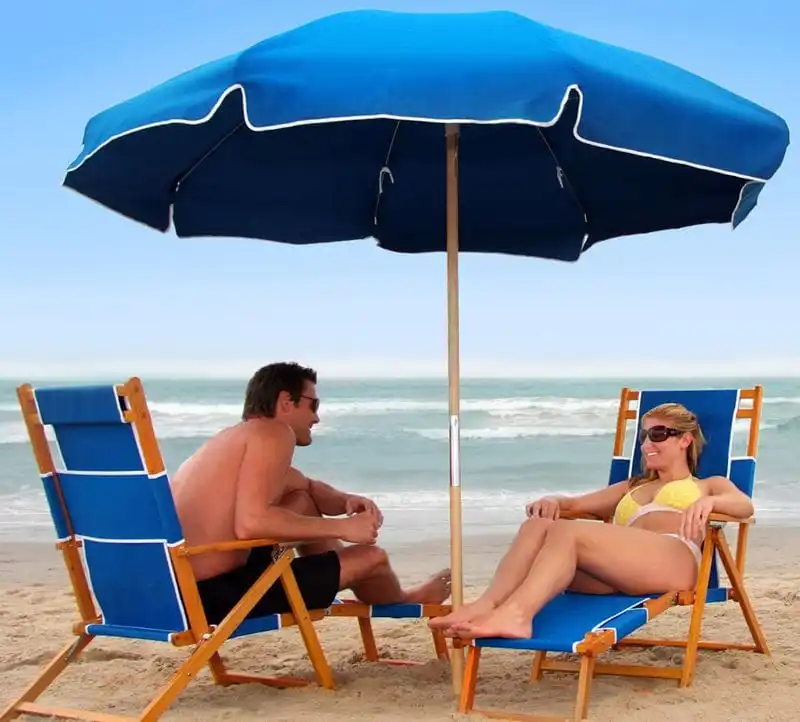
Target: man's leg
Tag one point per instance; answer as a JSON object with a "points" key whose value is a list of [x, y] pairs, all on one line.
{"points": [[366, 569]]}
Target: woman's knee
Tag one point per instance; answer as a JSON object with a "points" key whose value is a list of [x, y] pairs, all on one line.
{"points": [[562, 528], [535, 527]]}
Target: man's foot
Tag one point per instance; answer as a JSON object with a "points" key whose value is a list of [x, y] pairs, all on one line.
{"points": [[434, 591], [502, 622], [466, 613]]}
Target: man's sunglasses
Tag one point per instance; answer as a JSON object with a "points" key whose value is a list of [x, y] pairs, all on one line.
{"points": [[313, 402], [657, 434]]}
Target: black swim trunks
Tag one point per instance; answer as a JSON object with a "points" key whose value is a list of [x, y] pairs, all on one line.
{"points": [[317, 576]]}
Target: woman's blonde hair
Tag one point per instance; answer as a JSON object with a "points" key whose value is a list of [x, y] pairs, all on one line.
{"points": [[677, 417]]}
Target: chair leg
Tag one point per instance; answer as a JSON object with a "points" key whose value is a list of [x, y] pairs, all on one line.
{"points": [[467, 700], [47, 677], [698, 609], [538, 665], [371, 653], [743, 599], [585, 679], [218, 671], [307, 630], [368, 639], [440, 645]]}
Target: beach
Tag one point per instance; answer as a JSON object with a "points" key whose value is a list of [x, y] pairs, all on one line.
{"points": [[521, 439], [118, 677]]}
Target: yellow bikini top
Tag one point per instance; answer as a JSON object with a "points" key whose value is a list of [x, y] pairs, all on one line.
{"points": [[673, 496]]}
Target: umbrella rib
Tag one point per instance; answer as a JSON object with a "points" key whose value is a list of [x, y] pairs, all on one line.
{"points": [[213, 149], [385, 171], [563, 179]]}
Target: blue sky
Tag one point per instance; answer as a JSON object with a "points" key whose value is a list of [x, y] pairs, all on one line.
{"points": [[84, 289]]}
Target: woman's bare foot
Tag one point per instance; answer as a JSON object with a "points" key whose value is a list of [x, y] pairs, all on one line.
{"points": [[434, 591], [505, 622], [466, 613]]}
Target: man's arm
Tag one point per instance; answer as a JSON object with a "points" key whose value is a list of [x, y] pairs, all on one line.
{"points": [[329, 501], [260, 486]]}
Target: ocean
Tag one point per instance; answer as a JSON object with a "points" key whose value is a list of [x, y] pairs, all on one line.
{"points": [[521, 438]]}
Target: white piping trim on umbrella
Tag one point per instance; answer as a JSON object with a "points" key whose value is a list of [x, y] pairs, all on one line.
{"points": [[443, 121]]}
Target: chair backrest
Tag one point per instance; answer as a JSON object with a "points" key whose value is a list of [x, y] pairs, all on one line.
{"points": [[717, 411], [113, 496]]}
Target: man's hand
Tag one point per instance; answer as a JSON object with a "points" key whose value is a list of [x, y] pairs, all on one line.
{"points": [[358, 504], [693, 521], [360, 528]]}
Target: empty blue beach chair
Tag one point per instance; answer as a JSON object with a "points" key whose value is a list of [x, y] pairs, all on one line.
{"points": [[124, 549], [587, 625]]}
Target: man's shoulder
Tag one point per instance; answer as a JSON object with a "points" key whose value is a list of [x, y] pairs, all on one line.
{"points": [[267, 431]]}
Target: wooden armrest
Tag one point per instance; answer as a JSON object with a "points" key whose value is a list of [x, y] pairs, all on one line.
{"points": [[229, 546], [733, 519]]}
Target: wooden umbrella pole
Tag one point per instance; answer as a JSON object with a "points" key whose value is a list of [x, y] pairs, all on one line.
{"points": [[454, 377]]}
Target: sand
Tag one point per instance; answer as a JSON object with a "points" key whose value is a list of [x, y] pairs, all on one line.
{"points": [[119, 677]]}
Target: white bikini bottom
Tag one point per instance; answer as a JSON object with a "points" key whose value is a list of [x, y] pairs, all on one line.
{"points": [[693, 548], [653, 507]]}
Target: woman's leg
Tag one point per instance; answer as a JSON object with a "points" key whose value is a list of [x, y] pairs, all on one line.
{"points": [[511, 572], [587, 584], [633, 561]]}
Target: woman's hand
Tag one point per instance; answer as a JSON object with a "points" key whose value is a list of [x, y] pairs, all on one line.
{"points": [[693, 521], [545, 508]]}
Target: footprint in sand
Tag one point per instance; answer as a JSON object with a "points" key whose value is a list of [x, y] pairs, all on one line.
{"points": [[106, 655], [36, 660]]}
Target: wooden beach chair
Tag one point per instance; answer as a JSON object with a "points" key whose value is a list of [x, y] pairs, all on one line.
{"points": [[587, 626], [124, 549]]}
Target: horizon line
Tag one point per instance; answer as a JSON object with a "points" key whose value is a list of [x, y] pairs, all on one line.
{"points": [[391, 369]]}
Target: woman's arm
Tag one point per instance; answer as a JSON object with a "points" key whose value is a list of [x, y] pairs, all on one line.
{"points": [[728, 499], [600, 503]]}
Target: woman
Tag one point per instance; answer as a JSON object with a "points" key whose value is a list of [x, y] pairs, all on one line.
{"points": [[652, 546]]}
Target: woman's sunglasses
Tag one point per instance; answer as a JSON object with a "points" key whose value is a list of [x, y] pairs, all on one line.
{"points": [[657, 434]]}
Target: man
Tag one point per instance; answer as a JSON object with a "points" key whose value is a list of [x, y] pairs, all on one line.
{"points": [[241, 484]]}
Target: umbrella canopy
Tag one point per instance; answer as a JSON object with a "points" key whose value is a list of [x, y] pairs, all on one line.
{"points": [[564, 141]]}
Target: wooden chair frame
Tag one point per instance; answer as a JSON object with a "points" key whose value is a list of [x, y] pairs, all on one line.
{"points": [[363, 613], [595, 644], [205, 640]]}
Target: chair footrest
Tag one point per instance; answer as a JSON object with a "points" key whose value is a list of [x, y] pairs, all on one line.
{"points": [[682, 643], [348, 608], [41, 710], [230, 678], [613, 669]]}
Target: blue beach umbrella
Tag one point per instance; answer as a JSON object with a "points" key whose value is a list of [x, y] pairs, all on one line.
{"points": [[484, 132]]}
